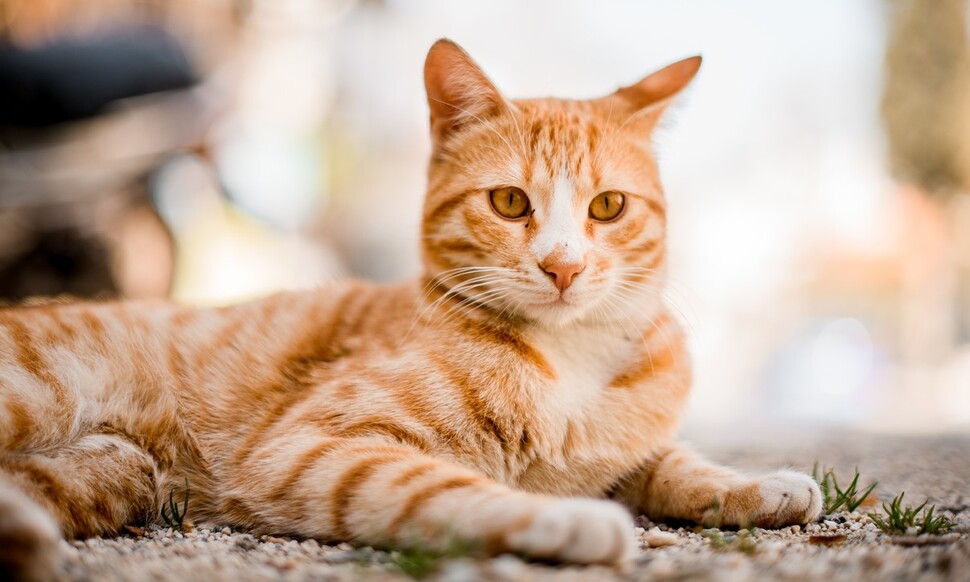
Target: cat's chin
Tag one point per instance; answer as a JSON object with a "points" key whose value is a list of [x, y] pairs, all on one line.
{"points": [[556, 313], [583, 311]]}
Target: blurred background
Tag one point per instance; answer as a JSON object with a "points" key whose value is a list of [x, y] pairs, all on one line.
{"points": [[817, 171]]}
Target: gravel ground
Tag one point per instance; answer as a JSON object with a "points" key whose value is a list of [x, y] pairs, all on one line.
{"points": [[842, 546]]}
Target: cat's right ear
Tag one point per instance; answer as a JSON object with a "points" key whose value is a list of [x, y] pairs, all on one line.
{"points": [[647, 99], [458, 91]]}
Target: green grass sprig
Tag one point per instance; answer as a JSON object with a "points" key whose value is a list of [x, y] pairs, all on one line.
{"points": [[834, 498], [419, 562], [900, 518], [175, 518]]}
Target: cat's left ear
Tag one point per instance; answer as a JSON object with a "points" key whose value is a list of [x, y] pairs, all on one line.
{"points": [[459, 93], [648, 98]]}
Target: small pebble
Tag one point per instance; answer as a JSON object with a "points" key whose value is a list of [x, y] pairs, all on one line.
{"points": [[508, 567], [216, 552], [655, 538], [459, 571]]}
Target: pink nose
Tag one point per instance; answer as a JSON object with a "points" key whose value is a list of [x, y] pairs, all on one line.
{"points": [[562, 273]]}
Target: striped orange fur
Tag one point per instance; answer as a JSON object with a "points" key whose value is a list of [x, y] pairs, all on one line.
{"points": [[509, 398]]}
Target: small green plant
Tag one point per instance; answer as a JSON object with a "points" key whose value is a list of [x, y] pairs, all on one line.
{"points": [[418, 562], [834, 498], [900, 518], [175, 518], [935, 524], [742, 542]]}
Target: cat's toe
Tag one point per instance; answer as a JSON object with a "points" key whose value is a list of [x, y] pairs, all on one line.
{"points": [[788, 498], [584, 531]]}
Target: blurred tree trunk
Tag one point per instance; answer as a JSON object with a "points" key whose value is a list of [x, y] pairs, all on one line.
{"points": [[925, 100], [926, 111]]}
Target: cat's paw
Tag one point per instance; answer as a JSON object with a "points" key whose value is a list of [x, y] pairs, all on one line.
{"points": [[785, 498], [28, 539], [584, 531]]}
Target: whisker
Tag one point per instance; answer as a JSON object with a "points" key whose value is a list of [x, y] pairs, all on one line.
{"points": [[515, 123], [488, 125], [489, 275], [465, 304], [599, 150], [663, 295], [439, 281], [665, 333]]}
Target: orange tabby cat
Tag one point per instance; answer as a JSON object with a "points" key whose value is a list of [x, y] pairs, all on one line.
{"points": [[531, 374]]}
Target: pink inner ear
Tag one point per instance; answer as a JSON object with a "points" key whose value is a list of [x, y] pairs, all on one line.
{"points": [[662, 84], [458, 90]]}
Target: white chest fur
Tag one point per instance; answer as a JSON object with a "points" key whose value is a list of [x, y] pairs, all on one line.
{"points": [[584, 360]]}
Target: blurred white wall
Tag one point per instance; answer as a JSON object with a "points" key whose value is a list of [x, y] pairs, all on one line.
{"points": [[776, 145], [791, 247]]}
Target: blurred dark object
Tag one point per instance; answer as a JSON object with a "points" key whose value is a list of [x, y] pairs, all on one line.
{"points": [[70, 79], [58, 262], [106, 246], [83, 124]]}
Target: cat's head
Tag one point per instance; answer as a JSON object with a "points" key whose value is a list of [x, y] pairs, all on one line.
{"points": [[545, 209]]}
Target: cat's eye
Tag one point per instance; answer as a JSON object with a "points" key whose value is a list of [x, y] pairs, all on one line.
{"points": [[607, 206], [510, 202]]}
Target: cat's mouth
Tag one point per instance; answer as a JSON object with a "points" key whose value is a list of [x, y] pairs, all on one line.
{"points": [[557, 311], [558, 299], [561, 303], [563, 300]]}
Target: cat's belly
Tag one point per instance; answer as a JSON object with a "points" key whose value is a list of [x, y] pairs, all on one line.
{"points": [[578, 478]]}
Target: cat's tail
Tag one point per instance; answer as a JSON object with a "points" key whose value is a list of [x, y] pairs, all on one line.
{"points": [[29, 538]]}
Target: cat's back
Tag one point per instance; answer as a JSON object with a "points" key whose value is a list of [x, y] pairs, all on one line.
{"points": [[86, 363]]}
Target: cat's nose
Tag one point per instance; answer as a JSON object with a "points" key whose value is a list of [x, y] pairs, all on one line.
{"points": [[562, 273]]}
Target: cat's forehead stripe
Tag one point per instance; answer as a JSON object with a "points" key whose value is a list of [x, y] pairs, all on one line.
{"points": [[564, 135]]}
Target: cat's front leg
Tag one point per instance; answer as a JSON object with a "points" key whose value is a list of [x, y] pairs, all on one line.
{"points": [[677, 484], [374, 491]]}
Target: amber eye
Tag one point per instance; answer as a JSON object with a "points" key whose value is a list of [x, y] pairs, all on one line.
{"points": [[607, 206], [510, 202]]}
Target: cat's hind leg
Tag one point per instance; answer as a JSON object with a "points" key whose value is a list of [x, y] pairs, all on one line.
{"points": [[90, 487], [677, 484], [379, 492]]}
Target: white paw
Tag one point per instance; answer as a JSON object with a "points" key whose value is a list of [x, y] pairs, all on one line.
{"points": [[585, 531], [787, 498], [28, 539]]}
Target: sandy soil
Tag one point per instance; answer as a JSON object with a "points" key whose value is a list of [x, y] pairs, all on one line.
{"points": [[842, 546]]}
